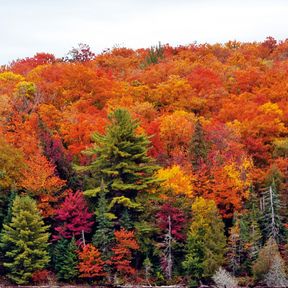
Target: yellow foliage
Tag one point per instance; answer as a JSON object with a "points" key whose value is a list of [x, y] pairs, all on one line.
{"points": [[176, 180]]}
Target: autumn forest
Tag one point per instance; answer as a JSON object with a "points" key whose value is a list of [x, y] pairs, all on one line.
{"points": [[159, 166]]}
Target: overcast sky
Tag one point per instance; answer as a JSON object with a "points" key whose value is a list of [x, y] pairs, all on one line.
{"points": [[55, 26]]}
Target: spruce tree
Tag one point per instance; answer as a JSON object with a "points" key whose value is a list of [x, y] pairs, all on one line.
{"points": [[25, 241], [122, 163], [198, 146], [65, 259], [103, 237], [206, 240]]}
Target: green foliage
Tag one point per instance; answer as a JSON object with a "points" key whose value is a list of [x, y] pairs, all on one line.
{"points": [[198, 146], [65, 259], [206, 240], [250, 233], [121, 162], [25, 241], [11, 165], [103, 237], [155, 54]]}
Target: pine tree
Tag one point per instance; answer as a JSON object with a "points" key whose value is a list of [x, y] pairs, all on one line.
{"points": [[65, 259], [122, 163], [206, 240], [25, 240], [198, 146]]}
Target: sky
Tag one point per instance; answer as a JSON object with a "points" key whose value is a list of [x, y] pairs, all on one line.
{"points": [[55, 26]]}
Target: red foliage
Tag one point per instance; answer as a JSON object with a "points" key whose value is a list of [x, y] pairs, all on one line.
{"points": [[122, 252], [177, 221], [40, 276], [90, 263], [74, 217]]}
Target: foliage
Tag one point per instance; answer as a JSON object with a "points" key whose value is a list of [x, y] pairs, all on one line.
{"points": [[206, 241], [74, 217], [216, 116], [265, 258], [121, 163], [65, 259], [26, 254], [90, 263], [122, 252]]}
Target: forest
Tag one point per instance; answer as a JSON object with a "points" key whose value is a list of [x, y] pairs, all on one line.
{"points": [[159, 166]]}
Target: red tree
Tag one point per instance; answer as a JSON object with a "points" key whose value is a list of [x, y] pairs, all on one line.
{"points": [[177, 220], [123, 251], [74, 215], [91, 265]]}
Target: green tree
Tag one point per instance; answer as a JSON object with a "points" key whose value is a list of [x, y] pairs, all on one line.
{"points": [[65, 259], [198, 146], [25, 241], [250, 232], [206, 240], [122, 162], [103, 237]]}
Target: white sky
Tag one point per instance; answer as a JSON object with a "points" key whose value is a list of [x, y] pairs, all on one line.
{"points": [[54, 26]]}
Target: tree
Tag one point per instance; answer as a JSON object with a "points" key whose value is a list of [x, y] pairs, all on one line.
{"points": [[74, 217], [171, 222], [271, 218], [206, 240], [11, 165], [235, 248], [91, 265], [122, 252], [263, 263], [80, 54], [25, 240], [198, 146], [276, 277], [103, 237], [65, 259], [121, 163]]}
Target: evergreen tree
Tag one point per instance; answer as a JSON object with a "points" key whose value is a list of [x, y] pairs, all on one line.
{"points": [[198, 146], [122, 163], [25, 241], [271, 219], [250, 237], [235, 248], [65, 259], [206, 240], [103, 237]]}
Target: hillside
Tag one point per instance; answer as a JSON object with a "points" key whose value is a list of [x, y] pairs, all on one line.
{"points": [[149, 166]]}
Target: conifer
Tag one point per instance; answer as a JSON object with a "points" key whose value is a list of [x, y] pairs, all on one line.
{"points": [[25, 241]]}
